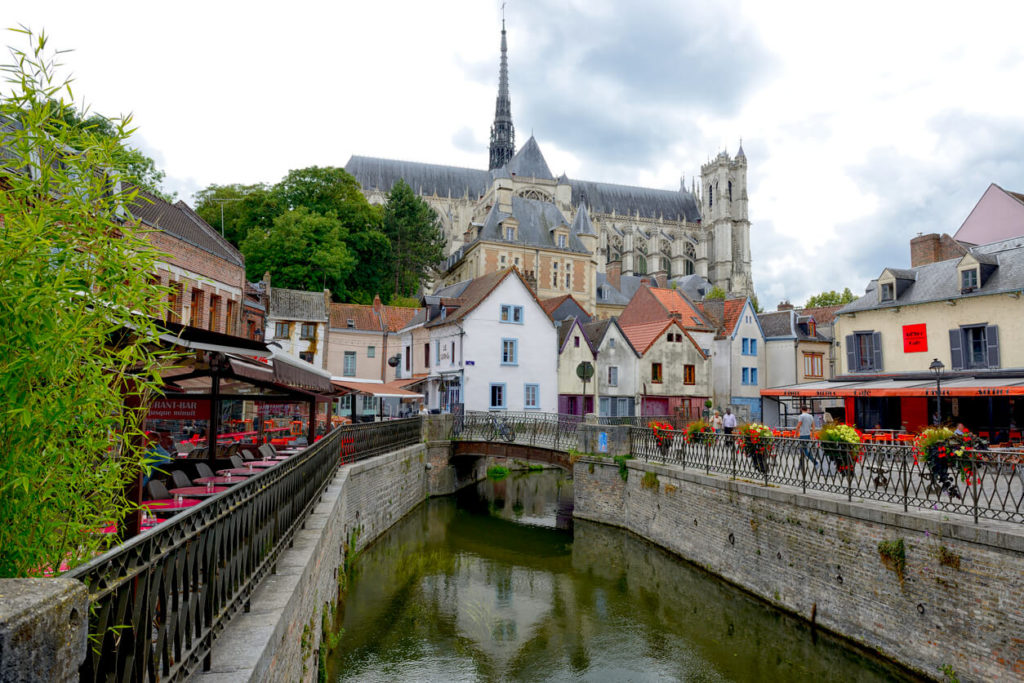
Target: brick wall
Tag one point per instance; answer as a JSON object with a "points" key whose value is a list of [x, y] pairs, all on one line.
{"points": [[931, 248], [960, 601]]}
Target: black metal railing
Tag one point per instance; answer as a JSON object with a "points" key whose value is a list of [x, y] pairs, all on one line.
{"points": [[543, 430], [983, 484], [158, 601], [677, 421]]}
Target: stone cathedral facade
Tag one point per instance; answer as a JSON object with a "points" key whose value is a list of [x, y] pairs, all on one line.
{"points": [[570, 236]]}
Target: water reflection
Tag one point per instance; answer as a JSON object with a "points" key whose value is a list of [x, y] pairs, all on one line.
{"points": [[490, 586]]}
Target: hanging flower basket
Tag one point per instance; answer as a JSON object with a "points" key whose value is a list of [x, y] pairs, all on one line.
{"points": [[699, 432], [948, 456], [663, 435], [755, 442], [841, 445]]}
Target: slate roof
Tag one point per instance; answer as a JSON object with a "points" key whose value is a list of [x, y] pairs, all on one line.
{"points": [[567, 304], [597, 330], [791, 324], [628, 200], [581, 225], [293, 304], [628, 284], [528, 162], [777, 324], [694, 286], [181, 222], [537, 221], [938, 281], [425, 179]]}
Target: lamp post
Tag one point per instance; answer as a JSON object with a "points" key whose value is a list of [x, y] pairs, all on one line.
{"points": [[937, 367]]}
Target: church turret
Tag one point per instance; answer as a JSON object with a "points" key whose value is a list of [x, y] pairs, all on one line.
{"points": [[723, 203], [503, 134]]}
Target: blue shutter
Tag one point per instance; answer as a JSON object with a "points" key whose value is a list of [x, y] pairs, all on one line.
{"points": [[956, 352], [851, 353], [876, 349], [992, 337]]}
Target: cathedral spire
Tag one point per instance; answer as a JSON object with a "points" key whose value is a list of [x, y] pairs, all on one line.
{"points": [[503, 135]]}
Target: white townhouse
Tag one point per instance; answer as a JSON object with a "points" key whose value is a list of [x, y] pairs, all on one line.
{"points": [[738, 371], [617, 368], [491, 346]]}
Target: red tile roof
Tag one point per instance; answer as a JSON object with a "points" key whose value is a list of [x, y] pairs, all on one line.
{"points": [[823, 315], [724, 314], [397, 317], [362, 317], [656, 303], [643, 335]]}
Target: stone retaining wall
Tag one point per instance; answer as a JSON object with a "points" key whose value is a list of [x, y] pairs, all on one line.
{"points": [[278, 639], [957, 600]]}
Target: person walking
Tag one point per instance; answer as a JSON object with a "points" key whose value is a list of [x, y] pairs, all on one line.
{"points": [[804, 423], [729, 421], [716, 423]]}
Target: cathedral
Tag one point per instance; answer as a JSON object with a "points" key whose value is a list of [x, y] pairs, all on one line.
{"points": [[579, 237]]}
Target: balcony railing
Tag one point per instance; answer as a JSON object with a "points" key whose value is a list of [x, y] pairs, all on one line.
{"points": [[159, 600]]}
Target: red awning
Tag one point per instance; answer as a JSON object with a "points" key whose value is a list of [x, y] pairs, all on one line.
{"points": [[960, 386]]}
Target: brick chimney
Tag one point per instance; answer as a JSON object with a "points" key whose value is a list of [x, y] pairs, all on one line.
{"points": [[377, 305], [613, 271], [932, 248], [661, 278], [784, 306]]}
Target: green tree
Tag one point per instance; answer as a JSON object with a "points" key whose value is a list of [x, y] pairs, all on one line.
{"points": [[756, 304], [715, 293], [241, 206], [417, 240], [73, 279], [301, 250], [830, 298]]}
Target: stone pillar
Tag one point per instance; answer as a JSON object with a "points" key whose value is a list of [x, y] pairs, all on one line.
{"points": [[43, 629]]}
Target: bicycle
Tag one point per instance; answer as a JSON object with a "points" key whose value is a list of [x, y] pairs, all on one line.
{"points": [[501, 428]]}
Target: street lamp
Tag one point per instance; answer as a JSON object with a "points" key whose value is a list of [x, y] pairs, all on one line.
{"points": [[937, 367]]}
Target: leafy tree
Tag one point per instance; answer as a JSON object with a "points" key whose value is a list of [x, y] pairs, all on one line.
{"points": [[756, 304], [830, 298], [241, 206], [715, 293], [301, 250], [73, 280], [417, 240]]}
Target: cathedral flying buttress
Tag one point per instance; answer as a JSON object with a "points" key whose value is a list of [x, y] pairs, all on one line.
{"points": [[578, 237]]}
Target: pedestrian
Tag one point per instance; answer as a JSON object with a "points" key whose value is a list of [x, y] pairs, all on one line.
{"points": [[960, 429], [729, 421], [803, 425], [826, 419], [716, 423]]}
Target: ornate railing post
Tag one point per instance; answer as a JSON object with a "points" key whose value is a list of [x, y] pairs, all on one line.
{"points": [[905, 480]]}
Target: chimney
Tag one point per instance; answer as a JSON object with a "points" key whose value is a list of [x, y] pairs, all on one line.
{"points": [[784, 306], [661, 278], [613, 271], [932, 248], [377, 305], [645, 282], [530, 278]]}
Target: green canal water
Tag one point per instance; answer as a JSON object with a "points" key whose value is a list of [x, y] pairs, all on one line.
{"points": [[501, 584]]}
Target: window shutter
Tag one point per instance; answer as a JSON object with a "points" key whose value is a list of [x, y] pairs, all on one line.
{"points": [[851, 353], [876, 349], [992, 337], [956, 352]]}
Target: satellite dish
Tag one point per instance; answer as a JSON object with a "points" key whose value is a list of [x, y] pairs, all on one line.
{"points": [[585, 370], [395, 360]]}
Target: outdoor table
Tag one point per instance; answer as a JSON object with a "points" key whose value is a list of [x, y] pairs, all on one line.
{"points": [[169, 504], [221, 480], [197, 491], [112, 528], [261, 463], [240, 471]]}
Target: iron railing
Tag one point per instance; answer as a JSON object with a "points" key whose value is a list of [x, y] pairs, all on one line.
{"points": [[158, 601], [544, 430], [983, 484], [678, 421]]}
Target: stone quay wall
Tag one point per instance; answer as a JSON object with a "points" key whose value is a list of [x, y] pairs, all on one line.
{"points": [[278, 639], [953, 598]]}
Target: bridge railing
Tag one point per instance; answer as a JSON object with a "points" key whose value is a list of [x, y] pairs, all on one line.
{"points": [[544, 430], [984, 484], [158, 601]]}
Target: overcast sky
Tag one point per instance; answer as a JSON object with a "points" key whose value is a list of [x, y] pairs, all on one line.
{"points": [[863, 124]]}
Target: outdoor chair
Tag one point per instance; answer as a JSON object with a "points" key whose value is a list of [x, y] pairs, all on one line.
{"points": [[268, 451], [246, 454], [236, 462], [300, 441], [204, 470], [180, 479], [157, 491], [230, 450]]}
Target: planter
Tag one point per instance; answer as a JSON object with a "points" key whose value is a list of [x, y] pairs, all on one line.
{"points": [[842, 455], [944, 470]]}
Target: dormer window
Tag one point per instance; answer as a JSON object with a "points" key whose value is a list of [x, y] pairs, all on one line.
{"points": [[812, 328], [889, 291], [563, 241], [350, 323], [968, 280], [510, 233]]}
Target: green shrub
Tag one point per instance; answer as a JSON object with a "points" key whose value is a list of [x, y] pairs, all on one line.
{"points": [[497, 472]]}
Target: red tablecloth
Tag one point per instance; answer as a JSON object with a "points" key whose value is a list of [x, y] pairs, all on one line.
{"points": [[261, 463], [112, 529], [242, 471], [221, 480], [170, 504], [197, 491]]}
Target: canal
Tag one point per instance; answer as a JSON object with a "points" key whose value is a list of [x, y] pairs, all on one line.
{"points": [[500, 583]]}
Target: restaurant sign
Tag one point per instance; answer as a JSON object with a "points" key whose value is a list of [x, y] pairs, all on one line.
{"points": [[180, 409], [915, 338]]}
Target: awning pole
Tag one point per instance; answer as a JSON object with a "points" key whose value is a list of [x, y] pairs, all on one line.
{"points": [[312, 422], [214, 424]]}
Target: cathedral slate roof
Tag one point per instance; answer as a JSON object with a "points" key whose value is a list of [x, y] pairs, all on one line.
{"points": [[425, 179], [529, 162], [537, 219], [627, 200], [582, 225]]}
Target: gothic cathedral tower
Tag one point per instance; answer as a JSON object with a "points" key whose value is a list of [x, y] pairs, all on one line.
{"points": [[724, 219], [503, 135]]}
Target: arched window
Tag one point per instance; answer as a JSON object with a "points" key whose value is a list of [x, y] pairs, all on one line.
{"points": [[711, 197], [639, 265], [730, 190], [688, 268]]}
